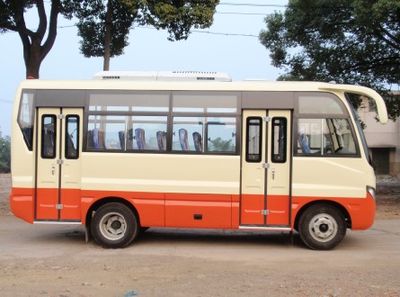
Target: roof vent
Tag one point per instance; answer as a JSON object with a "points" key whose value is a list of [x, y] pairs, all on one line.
{"points": [[163, 76]]}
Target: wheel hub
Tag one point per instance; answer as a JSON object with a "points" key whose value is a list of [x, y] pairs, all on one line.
{"points": [[323, 227], [113, 226]]}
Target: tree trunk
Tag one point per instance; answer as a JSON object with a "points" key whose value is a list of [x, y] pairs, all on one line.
{"points": [[107, 36], [34, 60]]}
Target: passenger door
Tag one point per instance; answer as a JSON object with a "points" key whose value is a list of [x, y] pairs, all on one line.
{"points": [[266, 159], [58, 178]]}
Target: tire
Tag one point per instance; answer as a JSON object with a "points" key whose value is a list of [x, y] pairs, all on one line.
{"points": [[114, 225], [322, 227]]}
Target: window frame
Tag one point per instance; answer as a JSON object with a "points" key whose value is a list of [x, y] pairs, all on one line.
{"points": [[170, 117], [346, 115], [77, 138], [260, 150], [28, 142], [285, 121], [54, 117]]}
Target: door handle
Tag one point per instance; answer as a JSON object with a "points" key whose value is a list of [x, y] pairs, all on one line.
{"points": [[273, 173], [53, 169]]}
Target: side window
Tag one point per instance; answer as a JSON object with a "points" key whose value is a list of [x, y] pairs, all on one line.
{"points": [[188, 134], [147, 133], [49, 126], [253, 139], [106, 133], [221, 135], [199, 134], [324, 137], [72, 137], [279, 140]]}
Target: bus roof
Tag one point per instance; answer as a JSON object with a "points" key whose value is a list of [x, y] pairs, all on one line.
{"points": [[202, 85]]}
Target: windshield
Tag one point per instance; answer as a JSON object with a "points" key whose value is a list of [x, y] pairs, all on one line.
{"points": [[360, 131]]}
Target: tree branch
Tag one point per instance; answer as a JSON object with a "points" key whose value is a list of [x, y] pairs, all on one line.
{"points": [[23, 32], [391, 36], [55, 9], [42, 19]]}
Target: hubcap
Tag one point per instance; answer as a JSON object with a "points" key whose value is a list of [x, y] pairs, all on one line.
{"points": [[113, 226], [323, 227]]}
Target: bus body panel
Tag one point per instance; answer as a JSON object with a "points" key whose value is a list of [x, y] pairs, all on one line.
{"points": [[189, 190]]}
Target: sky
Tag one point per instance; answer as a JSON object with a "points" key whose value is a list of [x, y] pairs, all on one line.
{"points": [[242, 57]]}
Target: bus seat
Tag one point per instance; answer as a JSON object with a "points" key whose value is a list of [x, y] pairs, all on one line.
{"points": [[183, 139], [198, 144], [304, 144], [121, 136], [140, 138], [162, 140]]}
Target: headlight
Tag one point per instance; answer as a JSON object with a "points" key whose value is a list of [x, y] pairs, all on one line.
{"points": [[371, 191]]}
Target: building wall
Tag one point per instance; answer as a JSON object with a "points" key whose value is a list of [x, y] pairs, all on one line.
{"points": [[382, 139]]}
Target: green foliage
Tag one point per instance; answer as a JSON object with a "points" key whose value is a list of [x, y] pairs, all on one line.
{"points": [[355, 42], [5, 154], [220, 145], [178, 17], [92, 16]]}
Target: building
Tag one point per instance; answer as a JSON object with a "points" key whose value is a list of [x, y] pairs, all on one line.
{"points": [[383, 140]]}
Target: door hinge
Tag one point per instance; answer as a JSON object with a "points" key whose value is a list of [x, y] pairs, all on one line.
{"points": [[60, 162], [266, 165], [265, 212], [59, 206], [61, 116], [267, 119]]}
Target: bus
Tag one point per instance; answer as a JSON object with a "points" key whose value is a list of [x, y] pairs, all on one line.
{"points": [[129, 151]]}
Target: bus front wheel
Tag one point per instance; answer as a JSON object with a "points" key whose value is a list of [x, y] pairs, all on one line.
{"points": [[114, 225], [322, 227]]}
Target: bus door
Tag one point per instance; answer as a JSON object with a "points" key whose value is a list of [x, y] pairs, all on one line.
{"points": [[58, 178], [266, 157]]}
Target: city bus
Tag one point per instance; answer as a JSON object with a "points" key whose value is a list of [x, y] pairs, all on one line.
{"points": [[129, 151]]}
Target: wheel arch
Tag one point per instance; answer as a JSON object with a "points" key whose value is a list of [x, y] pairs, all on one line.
{"points": [[335, 204], [100, 202]]}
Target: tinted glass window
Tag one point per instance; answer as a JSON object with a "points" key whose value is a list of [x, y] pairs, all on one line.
{"points": [[320, 105], [72, 137], [139, 102], [279, 140], [25, 118], [205, 103], [253, 139], [49, 126]]}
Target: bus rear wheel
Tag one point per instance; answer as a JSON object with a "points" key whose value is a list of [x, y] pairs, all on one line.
{"points": [[114, 225], [322, 227]]}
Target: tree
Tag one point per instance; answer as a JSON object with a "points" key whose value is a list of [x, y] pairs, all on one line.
{"points": [[5, 154], [355, 42], [36, 44], [104, 25]]}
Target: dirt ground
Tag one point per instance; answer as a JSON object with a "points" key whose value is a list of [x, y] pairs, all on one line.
{"points": [[47, 260]]}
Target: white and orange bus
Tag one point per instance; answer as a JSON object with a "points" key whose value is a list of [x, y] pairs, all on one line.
{"points": [[127, 152]]}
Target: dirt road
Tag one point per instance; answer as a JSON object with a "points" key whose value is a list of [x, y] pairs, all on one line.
{"points": [[54, 261], [47, 260]]}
